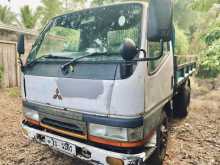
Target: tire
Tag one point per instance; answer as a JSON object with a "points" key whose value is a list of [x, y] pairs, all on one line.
{"points": [[161, 144], [182, 100], [169, 110], [189, 91]]}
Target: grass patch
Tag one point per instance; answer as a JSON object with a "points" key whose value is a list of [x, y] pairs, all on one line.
{"points": [[1, 75], [13, 92]]}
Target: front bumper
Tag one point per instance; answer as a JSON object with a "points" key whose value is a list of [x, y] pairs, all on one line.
{"points": [[98, 156]]}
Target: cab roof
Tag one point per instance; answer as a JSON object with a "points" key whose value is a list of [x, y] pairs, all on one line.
{"points": [[108, 5]]}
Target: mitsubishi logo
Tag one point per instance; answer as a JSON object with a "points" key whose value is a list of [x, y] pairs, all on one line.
{"points": [[57, 95]]}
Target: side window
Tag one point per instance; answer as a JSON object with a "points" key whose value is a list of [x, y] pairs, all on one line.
{"points": [[153, 51]]}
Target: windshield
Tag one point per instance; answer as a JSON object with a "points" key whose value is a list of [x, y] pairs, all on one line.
{"points": [[99, 30]]}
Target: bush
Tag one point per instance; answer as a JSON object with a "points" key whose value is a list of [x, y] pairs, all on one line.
{"points": [[209, 63], [182, 43], [212, 35]]}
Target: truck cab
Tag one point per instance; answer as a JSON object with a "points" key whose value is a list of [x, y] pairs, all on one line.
{"points": [[97, 82]]}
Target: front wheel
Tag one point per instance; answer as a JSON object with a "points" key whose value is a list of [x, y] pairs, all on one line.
{"points": [[161, 144], [182, 100]]}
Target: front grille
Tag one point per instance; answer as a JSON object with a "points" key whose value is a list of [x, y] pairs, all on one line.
{"points": [[60, 119], [62, 125]]}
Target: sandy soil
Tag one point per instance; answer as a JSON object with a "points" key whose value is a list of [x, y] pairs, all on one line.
{"points": [[194, 140]]}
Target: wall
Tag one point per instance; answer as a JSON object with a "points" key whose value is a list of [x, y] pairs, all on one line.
{"points": [[8, 55]]}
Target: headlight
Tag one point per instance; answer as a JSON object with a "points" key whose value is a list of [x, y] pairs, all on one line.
{"points": [[31, 114], [116, 133]]}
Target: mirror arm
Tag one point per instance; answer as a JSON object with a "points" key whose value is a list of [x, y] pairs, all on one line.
{"points": [[151, 58], [142, 50]]}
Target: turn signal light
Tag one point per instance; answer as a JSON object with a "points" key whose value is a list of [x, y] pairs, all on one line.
{"points": [[34, 122], [114, 161]]}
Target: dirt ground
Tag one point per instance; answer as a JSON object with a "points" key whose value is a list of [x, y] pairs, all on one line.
{"points": [[194, 140]]}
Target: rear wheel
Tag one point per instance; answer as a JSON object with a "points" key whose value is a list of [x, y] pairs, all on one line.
{"points": [[161, 144], [182, 100]]}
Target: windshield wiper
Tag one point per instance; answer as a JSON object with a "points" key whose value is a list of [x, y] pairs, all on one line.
{"points": [[74, 61], [49, 56]]}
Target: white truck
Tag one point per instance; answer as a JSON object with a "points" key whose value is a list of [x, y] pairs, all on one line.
{"points": [[100, 84]]}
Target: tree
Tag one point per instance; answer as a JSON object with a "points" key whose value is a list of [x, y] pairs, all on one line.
{"points": [[203, 5], [182, 42], [206, 40], [49, 9], [7, 16], [102, 2], [29, 17], [74, 4], [184, 16], [209, 62]]}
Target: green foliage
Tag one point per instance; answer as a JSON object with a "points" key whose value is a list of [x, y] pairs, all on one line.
{"points": [[13, 92], [182, 43], [28, 17], [1, 74], [103, 2], [209, 63], [6, 15], [184, 15], [70, 5], [212, 35], [205, 39], [203, 5], [49, 9]]}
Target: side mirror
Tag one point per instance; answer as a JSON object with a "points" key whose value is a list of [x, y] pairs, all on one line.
{"points": [[128, 49], [20, 44], [160, 20]]}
